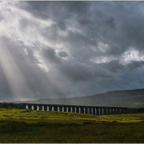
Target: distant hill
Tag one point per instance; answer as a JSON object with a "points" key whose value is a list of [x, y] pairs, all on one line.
{"points": [[128, 98]]}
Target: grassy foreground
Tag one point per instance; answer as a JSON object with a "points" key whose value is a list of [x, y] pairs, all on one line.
{"points": [[27, 126]]}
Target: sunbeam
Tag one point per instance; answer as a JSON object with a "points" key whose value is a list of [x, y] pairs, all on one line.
{"points": [[15, 79]]}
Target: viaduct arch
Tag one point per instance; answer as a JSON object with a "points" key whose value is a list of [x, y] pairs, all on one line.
{"points": [[95, 110]]}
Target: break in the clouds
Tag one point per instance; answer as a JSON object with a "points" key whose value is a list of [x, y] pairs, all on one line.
{"points": [[67, 49]]}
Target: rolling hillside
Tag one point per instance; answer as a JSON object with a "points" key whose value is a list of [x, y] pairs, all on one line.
{"points": [[128, 98]]}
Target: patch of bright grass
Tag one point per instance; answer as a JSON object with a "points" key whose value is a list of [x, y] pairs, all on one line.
{"points": [[28, 126]]}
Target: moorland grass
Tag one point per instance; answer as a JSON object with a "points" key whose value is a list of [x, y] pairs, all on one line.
{"points": [[28, 126]]}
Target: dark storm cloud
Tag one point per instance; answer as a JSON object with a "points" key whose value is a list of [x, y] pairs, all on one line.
{"points": [[50, 54], [87, 46], [46, 9], [83, 72], [63, 54], [62, 25], [116, 23], [117, 68]]}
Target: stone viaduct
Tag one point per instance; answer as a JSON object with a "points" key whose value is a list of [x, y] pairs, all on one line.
{"points": [[95, 110]]}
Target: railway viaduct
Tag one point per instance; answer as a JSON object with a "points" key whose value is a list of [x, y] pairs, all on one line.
{"points": [[95, 110]]}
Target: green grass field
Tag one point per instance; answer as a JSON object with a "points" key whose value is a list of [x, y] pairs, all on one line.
{"points": [[28, 126]]}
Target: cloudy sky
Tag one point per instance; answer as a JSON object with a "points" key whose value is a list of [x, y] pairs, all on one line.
{"points": [[70, 49]]}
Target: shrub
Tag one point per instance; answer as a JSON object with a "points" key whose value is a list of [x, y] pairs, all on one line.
{"points": [[10, 107]]}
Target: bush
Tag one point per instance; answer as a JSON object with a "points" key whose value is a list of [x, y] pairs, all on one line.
{"points": [[134, 110], [10, 105]]}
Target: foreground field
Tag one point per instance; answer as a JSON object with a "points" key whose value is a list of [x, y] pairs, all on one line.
{"points": [[26, 126]]}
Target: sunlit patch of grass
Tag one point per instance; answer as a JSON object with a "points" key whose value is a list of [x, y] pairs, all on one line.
{"points": [[55, 127], [49, 115]]}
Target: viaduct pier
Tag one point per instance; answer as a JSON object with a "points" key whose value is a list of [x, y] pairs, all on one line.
{"points": [[95, 110]]}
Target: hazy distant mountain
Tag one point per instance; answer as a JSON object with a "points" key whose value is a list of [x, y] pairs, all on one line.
{"points": [[128, 98]]}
